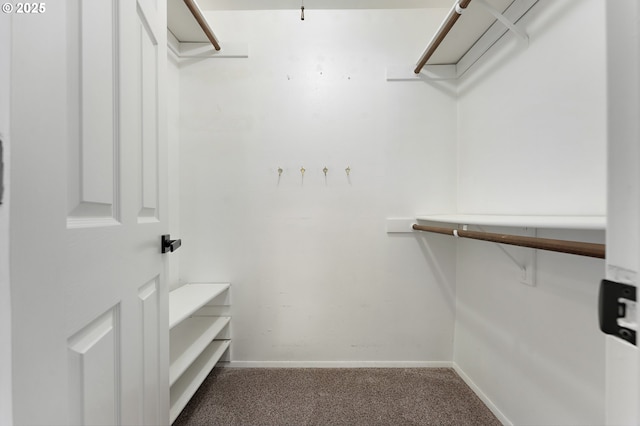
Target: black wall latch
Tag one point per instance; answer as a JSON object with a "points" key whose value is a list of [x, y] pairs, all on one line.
{"points": [[617, 310], [169, 245]]}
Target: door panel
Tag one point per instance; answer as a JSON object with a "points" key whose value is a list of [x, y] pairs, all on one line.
{"points": [[93, 114], [150, 371], [89, 294], [94, 374], [149, 112]]}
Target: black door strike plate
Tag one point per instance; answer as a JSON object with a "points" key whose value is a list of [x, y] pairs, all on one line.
{"points": [[614, 301]]}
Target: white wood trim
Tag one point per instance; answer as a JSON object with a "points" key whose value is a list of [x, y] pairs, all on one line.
{"points": [[91, 222], [429, 72], [396, 225], [336, 364], [487, 401], [206, 50], [173, 44], [557, 222]]}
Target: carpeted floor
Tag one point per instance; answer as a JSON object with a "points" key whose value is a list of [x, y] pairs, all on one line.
{"points": [[361, 396]]}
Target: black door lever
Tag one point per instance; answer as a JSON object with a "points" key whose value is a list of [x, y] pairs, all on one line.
{"points": [[169, 245]]}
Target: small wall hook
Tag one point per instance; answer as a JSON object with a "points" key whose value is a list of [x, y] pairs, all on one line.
{"points": [[280, 171], [325, 170], [348, 170], [302, 170]]}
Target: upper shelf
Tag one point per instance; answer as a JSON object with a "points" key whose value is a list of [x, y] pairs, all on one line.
{"points": [[556, 222], [190, 35], [182, 24], [468, 31], [471, 25], [184, 301]]}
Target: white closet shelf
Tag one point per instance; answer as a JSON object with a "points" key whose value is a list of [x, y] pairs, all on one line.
{"points": [[193, 348], [189, 339], [184, 301], [555, 222], [190, 381], [182, 23]]}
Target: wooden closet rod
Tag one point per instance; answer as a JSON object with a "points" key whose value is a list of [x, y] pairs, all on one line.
{"points": [[453, 16], [562, 246], [197, 13]]}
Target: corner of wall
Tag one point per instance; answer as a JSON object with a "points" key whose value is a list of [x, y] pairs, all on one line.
{"points": [[483, 397], [520, 111]]}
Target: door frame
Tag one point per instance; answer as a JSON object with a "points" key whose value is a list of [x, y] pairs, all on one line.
{"points": [[622, 375], [5, 288]]}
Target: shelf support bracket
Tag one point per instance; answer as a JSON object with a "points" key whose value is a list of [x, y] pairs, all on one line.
{"points": [[528, 267], [506, 22]]}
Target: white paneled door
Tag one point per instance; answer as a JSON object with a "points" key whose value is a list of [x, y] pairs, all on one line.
{"points": [[89, 298], [623, 208]]}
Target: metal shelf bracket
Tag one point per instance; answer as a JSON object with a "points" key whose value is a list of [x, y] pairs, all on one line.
{"points": [[506, 22]]}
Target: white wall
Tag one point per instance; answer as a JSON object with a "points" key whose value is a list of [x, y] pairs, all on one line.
{"points": [[532, 121], [532, 140], [314, 275], [5, 290]]}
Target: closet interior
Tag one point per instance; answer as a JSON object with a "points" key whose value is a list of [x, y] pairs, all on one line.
{"points": [[308, 155]]}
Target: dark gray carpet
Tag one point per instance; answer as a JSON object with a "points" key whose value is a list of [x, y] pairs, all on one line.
{"points": [[360, 396]]}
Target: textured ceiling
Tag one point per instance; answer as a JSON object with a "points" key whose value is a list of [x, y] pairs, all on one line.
{"points": [[320, 4], [185, 29]]}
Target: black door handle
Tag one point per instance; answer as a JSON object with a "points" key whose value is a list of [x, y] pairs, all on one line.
{"points": [[169, 245]]}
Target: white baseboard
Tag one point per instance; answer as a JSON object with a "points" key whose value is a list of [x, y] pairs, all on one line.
{"points": [[494, 409], [336, 364]]}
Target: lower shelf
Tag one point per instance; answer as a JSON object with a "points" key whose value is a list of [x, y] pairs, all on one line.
{"points": [[189, 339], [184, 388]]}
